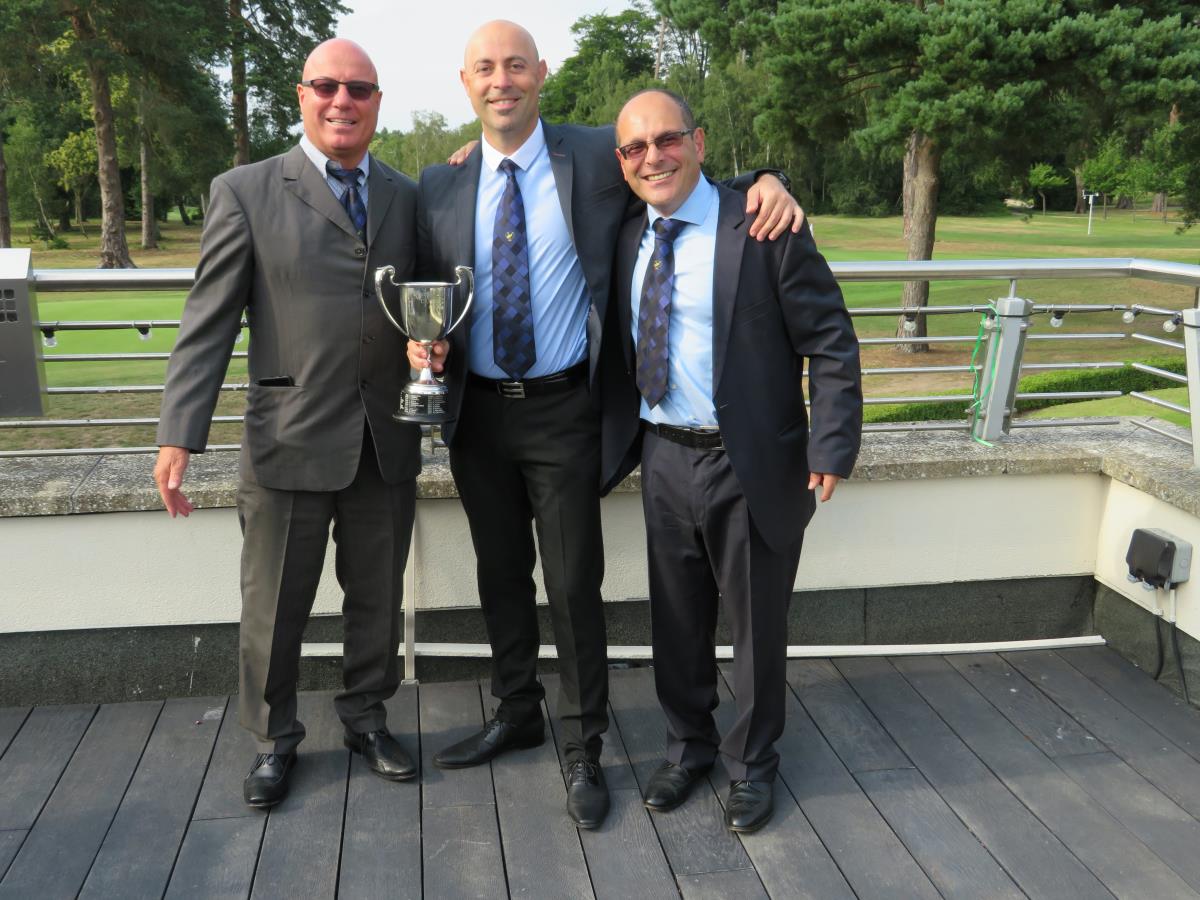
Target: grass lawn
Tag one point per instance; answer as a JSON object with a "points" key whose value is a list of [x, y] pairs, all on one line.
{"points": [[839, 238], [1122, 406]]}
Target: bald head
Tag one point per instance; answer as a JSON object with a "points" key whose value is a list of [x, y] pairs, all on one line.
{"points": [[503, 78], [338, 125]]}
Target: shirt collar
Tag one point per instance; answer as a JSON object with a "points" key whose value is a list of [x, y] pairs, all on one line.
{"points": [[525, 155], [694, 209], [319, 159]]}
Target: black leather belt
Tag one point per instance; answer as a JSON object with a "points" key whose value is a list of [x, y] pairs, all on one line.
{"points": [[532, 387], [698, 438]]}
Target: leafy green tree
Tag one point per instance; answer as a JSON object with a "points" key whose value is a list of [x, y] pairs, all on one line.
{"points": [[1105, 171], [75, 162], [1042, 178]]}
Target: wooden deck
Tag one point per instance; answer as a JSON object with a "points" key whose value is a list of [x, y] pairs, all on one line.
{"points": [[1042, 774]]}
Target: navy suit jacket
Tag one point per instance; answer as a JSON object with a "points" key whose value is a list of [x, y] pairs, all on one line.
{"points": [[775, 304]]}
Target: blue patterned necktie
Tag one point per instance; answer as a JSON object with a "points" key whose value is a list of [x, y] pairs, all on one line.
{"points": [[512, 314], [654, 314], [351, 198]]}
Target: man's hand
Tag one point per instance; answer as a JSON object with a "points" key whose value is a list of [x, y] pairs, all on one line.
{"points": [[827, 483], [418, 359], [776, 208], [459, 156], [168, 475]]}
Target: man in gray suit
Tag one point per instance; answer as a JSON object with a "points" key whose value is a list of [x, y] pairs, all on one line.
{"points": [[535, 208], [291, 242]]}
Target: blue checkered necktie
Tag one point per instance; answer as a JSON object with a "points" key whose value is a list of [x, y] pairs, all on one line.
{"points": [[654, 314], [512, 313], [351, 198]]}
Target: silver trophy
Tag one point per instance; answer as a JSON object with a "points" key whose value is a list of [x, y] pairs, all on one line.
{"points": [[425, 309]]}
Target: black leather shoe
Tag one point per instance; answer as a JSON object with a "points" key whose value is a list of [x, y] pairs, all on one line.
{"points": [[267, 782], [496, 737], [749, 806], [587, 794], [382, 753], [670, 786]]}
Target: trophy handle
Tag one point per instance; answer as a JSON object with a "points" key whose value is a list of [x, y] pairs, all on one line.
{"points": [[458, 271], [381, 273]]}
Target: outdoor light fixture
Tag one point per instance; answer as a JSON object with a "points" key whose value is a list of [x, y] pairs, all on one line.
{"points": [[143, 332], [1129, 315], [1172, 323], [48, 338], [1056, 318]]}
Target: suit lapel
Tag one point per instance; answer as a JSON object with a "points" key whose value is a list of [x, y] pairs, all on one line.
{"points": [[627, 254], [380, 191], [731, 242], [465, 189], [301, 177], [562, 164]]}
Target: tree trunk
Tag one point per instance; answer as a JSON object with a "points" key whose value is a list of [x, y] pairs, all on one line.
{"points": [[149, 223], [79, 207], [237, 77], [203, 205], [1043, 196], [1080, 200], [921, 162], [183, 213], [5, 215], [114, 251]]}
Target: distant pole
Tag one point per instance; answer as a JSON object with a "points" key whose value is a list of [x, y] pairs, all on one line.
{"points": [[1091, 198]]}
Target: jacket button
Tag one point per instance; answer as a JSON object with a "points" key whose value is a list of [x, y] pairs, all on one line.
{"points": [[360, 251], [363, 384], [368, 339]]}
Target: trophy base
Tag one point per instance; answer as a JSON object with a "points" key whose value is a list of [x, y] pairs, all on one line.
{"points": [[423, 407]]}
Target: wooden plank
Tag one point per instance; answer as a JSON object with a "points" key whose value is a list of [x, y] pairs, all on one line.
{"points": [[1033, 713], [303, 838], [952, 857], [740, 883], [624, 856], [221, 793], [139, 850], [35, 759], [790, 859], [449, 713], [1142, 808], [1124, 864], [462, 852], [55, 857], [381, 840], [693, 835], [860, 741], [217, 859], [1157, 759], [11, 720], [10, 843], [1134, 688], [1031, 854], [868, 853]]}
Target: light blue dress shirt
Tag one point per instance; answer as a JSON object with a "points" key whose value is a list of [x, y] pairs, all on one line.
{"points": [[319, 159], [688, 401], [558, 292]]}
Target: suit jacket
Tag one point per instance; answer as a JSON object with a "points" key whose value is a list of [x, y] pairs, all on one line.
{"points": [[279, 246], [594, 202], [774, 305]]}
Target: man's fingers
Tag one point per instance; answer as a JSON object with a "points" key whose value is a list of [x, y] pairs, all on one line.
{"points": [[827, 483]]}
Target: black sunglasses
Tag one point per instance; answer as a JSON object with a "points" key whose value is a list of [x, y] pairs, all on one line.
{"points": [[664, 142], [328, 87]]}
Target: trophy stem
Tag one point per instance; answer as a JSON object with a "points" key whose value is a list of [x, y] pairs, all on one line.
{"points": [[426, 376]]}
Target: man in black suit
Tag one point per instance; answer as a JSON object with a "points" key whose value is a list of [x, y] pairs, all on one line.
{"points": [[702, 386], [535, 209], [291, 243]]}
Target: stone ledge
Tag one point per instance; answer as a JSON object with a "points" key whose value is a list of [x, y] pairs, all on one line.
{"points": [[1154, 464]]}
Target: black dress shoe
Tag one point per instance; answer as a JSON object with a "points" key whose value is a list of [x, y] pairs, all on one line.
{"points": [[267, 782], [496, 737], [382, 753], [670, 786], [587, 794], [749, 806]]}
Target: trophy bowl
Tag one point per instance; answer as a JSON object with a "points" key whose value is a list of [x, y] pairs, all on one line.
{"points": [[427, 314]]}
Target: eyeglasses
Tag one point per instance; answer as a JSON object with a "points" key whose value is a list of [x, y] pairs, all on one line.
{"points": [[328, 87], [664, 142]]}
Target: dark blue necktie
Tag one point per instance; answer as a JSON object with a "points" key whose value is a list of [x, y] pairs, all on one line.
{"points": [[512, 313], [654, 314], [351, 198]]}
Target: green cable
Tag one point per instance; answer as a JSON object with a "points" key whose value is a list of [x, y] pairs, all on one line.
{"points": [[978, 393]]}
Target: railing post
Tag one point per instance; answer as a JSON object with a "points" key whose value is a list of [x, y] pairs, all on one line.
{"points": [[410, 609], [1191, 352], [1002, 368], [22, 372]]}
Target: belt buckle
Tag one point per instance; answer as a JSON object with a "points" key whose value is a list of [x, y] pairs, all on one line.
{"points": [[512, 390]]}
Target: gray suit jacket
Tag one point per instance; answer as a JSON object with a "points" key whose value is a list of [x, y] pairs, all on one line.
{"points": [[278, 246], [594, 202], [775, 305]]}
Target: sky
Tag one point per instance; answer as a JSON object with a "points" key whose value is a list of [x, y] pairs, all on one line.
{"points": [[418, 48]]}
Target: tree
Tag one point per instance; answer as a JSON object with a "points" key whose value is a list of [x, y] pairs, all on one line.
{"points": [[1042, 178], [75, 162], [1105, 171]]}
